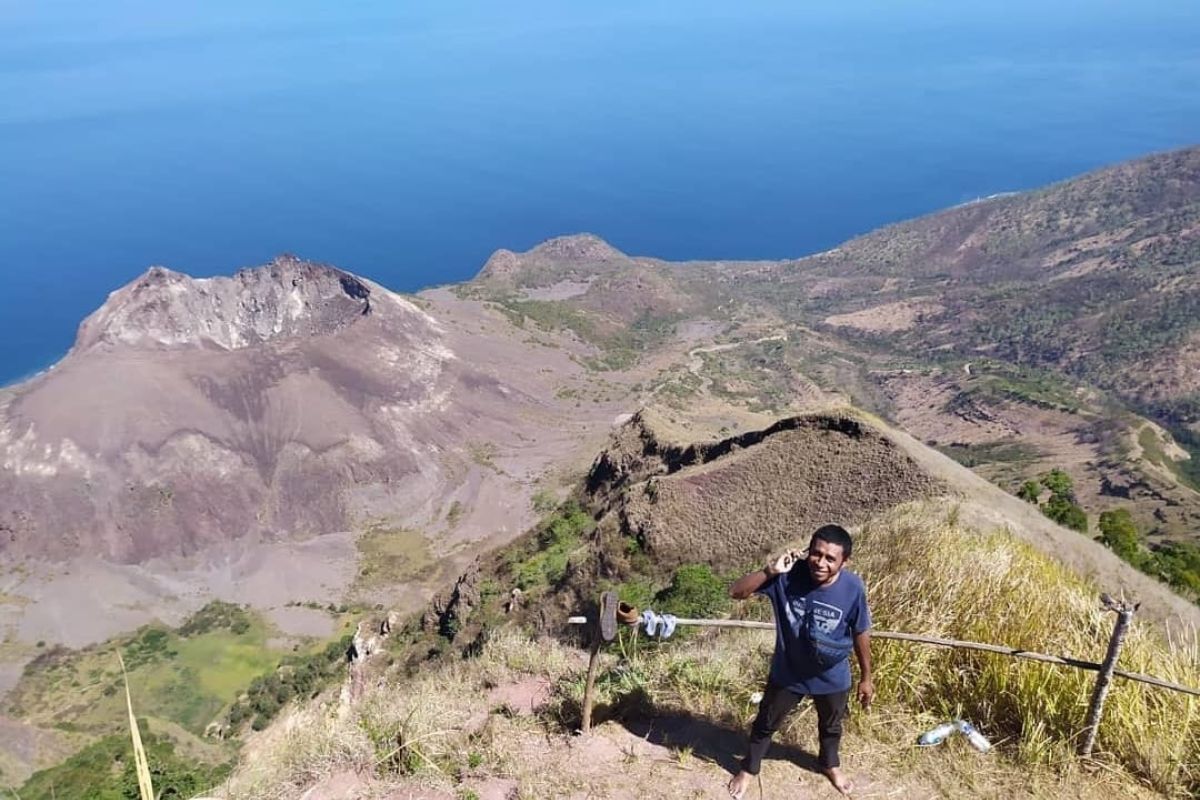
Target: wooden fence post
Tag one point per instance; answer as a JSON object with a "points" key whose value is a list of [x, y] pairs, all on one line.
{"points": [[604, 631], [1104, 679]]}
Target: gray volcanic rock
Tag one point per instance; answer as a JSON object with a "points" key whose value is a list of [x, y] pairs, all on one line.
{"points": [[286, 401], [286, 298]]}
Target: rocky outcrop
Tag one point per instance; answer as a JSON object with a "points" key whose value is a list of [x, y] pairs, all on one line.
{"points": [[728, 501], [285, 299], [449, 610], [562, 258]]}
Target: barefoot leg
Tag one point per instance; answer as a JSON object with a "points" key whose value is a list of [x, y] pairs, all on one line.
{"points": [[839, 780], [738, 785]]}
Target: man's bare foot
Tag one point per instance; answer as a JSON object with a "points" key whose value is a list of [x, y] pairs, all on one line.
{"points": [[738, 784], [839, 780]]}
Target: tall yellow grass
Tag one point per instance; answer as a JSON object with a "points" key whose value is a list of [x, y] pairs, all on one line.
{"points": [[141, 764], [925, 574]]}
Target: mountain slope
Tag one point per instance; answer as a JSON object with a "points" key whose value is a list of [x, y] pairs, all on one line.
{"points": [[496, 713], [1097, 277], [192, 413]]}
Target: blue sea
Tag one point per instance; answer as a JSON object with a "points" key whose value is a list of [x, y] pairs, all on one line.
{"points": [[407, 140]]}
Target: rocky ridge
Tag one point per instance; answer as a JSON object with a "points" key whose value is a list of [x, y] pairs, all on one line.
{"points": [[288, 298]]}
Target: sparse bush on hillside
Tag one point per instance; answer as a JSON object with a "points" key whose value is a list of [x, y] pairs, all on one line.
{"points": [[1060, 484], [1175, 563], [1030, 491], [1062, 506], [1066, 513], [557, 537], [695, 591], [1119, 534]]}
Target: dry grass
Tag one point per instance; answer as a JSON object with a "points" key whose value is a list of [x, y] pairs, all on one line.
{"points": [[925, 574], [430, 728], [142, 767]]}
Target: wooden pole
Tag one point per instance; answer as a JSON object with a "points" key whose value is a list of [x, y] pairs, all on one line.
{"points": [[957, 644], [605, 630], [1104, 679], [590, 687]]}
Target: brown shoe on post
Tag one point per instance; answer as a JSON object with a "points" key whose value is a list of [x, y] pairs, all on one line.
{"points": [[627, 614]]}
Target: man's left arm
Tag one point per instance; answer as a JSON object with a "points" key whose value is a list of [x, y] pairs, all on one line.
{"points": [[866, 686]]}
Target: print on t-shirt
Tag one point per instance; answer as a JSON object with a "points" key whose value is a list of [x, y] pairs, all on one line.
{"points": [[825, 616]]}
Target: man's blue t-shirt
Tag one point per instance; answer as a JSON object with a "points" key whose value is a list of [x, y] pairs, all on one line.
{"points": [[814, 629]]}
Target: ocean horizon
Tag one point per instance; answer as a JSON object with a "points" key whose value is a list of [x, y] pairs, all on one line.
{"points": [[406, 144]]}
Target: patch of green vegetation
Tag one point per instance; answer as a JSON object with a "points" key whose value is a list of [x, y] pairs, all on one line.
{"points": [[1119, 534], [1037, 387], [104, 770], [297, 676], [543, 501], [1066, 513], [455, 513], [1174, 563], [1177, 563], [215, 616], [974, 455], [484, 454], [556, 539], [695, 591], [186, 679], [1062, 507], [620, 343], [391, 555]]}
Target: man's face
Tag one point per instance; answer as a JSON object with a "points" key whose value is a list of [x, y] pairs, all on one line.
{"points": [[825, 560]]}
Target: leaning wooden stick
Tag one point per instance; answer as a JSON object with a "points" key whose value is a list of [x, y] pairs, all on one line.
{"points": [[1104, 679]]}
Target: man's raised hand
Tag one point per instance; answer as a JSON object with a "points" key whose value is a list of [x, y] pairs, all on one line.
{"points": [[783, 562]]}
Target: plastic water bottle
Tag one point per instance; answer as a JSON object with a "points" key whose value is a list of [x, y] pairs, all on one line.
{"points": [[977, 739], [937, 735]]}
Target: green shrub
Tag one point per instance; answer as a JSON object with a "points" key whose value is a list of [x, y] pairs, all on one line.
{"points": [[1059, 483], [557, 537], [695, 591], [1119, 534], [1066, 513], [1178, 564]]}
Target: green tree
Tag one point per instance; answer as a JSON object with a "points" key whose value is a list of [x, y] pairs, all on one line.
{"points": [[1065, 513], [1030, 491], [1060, 484], [1120, 534]]}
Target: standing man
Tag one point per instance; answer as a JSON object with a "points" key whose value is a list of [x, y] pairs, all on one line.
{"points": [[820, 616]]}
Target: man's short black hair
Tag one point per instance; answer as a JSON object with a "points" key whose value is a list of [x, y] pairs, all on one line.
{"points": [[835, 534]]}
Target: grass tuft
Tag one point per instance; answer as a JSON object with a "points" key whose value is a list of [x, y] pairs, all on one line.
{"points": [[141, 764]]}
